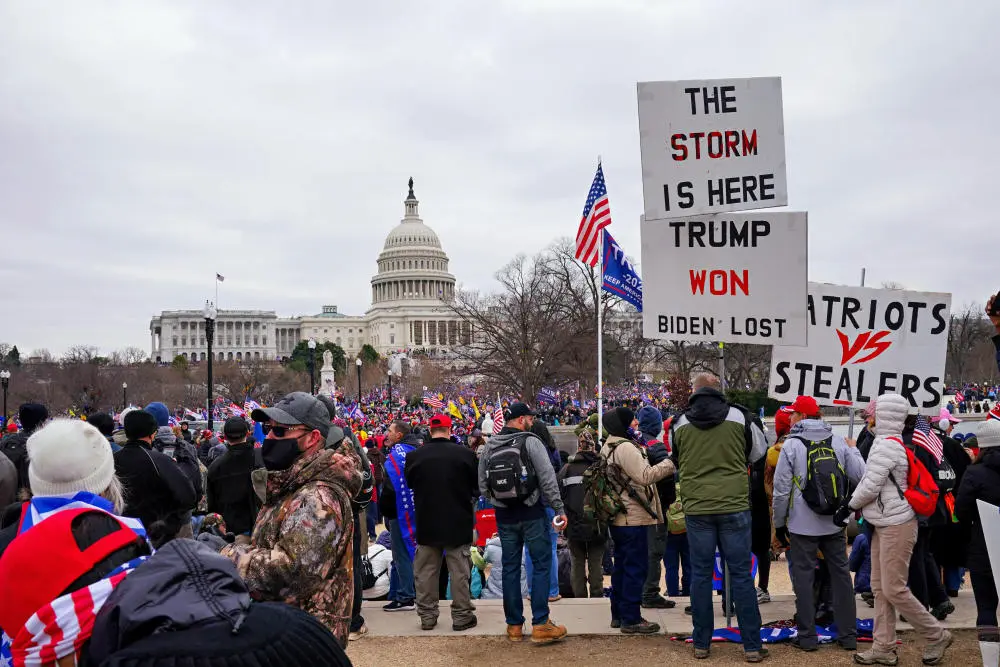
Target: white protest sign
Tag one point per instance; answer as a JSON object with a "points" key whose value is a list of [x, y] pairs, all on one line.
{"points": [[733, 278], [711, 146], [865, 342]]}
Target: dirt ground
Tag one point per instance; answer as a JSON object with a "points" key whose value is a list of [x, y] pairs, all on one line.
{"points": [[431, 651]]}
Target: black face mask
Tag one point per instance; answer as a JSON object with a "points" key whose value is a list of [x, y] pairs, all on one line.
{"points": [[279, 453]]}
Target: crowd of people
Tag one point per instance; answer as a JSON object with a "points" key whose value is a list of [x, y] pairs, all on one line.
{"points": [[143, 543]]}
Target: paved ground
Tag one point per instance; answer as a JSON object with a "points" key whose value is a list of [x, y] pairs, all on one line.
{"points": [[623, 651], [592, 617]]}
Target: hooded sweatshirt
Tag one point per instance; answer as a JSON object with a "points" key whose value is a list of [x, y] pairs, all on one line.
{"points": [[531, 508], [713, 446], [301, 549], [881, 503], [789, 477]]}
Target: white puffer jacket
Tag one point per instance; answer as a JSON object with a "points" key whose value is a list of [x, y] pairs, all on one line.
{"points": [[876, 496]]}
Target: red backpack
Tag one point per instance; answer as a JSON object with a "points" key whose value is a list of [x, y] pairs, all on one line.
{"points": [[922, 492]]}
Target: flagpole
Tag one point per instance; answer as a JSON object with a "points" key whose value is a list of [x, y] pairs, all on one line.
{"points": [[600, 339], [216, 290]]}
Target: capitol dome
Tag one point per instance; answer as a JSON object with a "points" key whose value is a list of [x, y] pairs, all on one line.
{"points": [[412, 266]]}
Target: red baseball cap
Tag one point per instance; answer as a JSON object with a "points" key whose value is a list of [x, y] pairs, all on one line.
{"points": [[440, 421], [805, 406], [781, 424]]}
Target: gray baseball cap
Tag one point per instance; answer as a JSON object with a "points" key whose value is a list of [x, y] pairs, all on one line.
{"points": [[297, 407]]}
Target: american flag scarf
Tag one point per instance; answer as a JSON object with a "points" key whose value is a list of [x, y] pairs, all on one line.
{"points": [[42, 507], [926, 438], [60, 628]]}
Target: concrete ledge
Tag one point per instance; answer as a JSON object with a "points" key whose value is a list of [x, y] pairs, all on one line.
{"points": [[584, 617]]}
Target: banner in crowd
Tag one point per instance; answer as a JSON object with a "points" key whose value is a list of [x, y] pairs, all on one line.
{"points": [[620, 277], [865, 342], [711, 146], [732, 278]]}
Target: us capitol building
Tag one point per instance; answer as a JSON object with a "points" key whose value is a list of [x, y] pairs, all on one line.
{"points": [[408, 311]]}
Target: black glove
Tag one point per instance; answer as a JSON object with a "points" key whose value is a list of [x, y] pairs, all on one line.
{"points": [[781, 532], [842, 514]]}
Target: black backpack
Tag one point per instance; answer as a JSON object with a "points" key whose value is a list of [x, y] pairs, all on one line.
{"points": [[510, 476], [825, 486]]}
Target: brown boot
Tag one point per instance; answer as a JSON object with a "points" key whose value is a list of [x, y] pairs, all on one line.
{"points": [[547, 632], [515, 633]]}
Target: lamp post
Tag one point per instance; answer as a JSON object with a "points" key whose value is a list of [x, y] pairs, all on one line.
{"points": [[312, 366], [124, 395], [5, 380], [390, 389], [357, 362], [210, 314]]}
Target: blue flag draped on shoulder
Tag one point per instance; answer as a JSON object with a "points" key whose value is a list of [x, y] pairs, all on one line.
{"points": [[620, 277]]}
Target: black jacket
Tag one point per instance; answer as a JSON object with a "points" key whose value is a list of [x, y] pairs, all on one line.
{"points": [[865, 441], [444, 478], [387, 493], [980, 482], [155, 487], [230, 489], [666, 488], [570, 479], [184, 584], [14, 446], [187, 605], [184, 454]]}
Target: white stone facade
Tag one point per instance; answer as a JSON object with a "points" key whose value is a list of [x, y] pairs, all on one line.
{"points": [[409, 311]]}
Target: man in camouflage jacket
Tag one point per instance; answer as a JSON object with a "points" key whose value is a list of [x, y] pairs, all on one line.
{"points": [[300, 551]]}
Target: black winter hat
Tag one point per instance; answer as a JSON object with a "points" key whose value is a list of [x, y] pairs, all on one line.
{"points": [[139, 424], [617, 421], [32, 415], [273, 635], [103, 422]]}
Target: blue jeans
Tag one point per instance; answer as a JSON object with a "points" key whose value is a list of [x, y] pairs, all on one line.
{"points": [[953, 578], [554, 571], [631, 563], [730, 533], [404, 564], [678, 556], [371, 519], [514, 537], [393, 583]]}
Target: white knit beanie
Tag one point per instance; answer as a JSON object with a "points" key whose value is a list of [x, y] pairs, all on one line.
{"points": [[988, 435], [68, 455]]}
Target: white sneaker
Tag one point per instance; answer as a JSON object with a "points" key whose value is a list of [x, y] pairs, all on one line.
{"points": [[763, 596]]}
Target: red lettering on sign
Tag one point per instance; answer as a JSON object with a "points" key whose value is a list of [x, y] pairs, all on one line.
{"points": [[717, 144], [720, 282], [865, 342]]}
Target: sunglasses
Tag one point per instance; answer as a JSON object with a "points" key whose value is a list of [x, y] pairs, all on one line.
{"points": [[279, 430]]}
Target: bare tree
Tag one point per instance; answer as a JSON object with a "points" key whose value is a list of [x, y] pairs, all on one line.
{"points": [[747, 366], [80, 354], [42, 355], [683, 358], [966, 336]]}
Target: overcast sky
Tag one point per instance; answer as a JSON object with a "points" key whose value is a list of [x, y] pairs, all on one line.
{"points": [[145, 146]]}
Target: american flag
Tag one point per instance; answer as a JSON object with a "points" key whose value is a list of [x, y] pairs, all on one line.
{"points": [[433, 401], [926, 438], [236, 410], [498, 422], [596, 216], [249, 405]]}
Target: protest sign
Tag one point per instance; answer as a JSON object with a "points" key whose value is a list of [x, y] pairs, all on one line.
{"points": [[711, 146], [733, 278], [865, 342], [620, 277]]}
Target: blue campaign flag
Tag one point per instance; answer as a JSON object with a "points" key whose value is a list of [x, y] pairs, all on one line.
{"points": [[620, 277]]}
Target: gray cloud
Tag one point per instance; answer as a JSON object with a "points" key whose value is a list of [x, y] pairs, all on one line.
{"points": [[145, 146]]}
